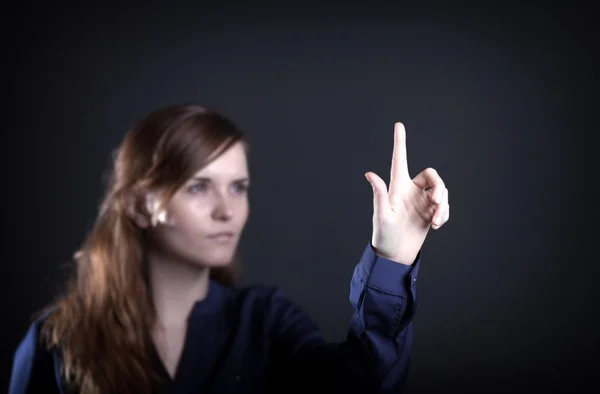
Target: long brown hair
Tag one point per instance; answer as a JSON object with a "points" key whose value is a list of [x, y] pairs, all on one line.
{"points": [[101, 324]]}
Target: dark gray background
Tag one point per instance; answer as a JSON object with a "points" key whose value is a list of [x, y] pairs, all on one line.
{"points": [[496, 98]]}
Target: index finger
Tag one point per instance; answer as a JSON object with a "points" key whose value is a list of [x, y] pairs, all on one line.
{"points": [[399, 169]]}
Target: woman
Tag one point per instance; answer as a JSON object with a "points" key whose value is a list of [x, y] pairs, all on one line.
{"points": [[153, 306]]}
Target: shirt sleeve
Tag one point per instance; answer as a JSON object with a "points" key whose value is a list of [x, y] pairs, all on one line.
{"points": [[374, 358]]}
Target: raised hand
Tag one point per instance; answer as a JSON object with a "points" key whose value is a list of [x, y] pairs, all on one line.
{"points": [[403, 215]]}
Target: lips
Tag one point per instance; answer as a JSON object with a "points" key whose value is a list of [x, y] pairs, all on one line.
{"points": [[222, 236]]}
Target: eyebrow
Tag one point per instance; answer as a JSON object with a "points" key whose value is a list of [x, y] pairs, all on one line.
{"points": [[205, 179]]}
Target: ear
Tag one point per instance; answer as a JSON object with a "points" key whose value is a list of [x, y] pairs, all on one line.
{"points": [[135, 212]]}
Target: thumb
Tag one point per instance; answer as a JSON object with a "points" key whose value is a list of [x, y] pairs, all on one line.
{"points": [[381, 203]]}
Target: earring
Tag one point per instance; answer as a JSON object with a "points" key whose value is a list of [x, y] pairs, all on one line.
{"points": [[162, 217]]}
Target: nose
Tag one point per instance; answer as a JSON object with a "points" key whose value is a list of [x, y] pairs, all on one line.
{"points": [[223, 210]]}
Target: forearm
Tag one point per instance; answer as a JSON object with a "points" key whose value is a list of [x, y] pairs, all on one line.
{"points": [[383, 294]]}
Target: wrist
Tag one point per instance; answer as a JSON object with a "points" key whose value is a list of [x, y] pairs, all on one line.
{"points": [[401, 258]]}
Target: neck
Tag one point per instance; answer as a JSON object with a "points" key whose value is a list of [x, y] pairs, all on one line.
{"points": [[176, 286]]}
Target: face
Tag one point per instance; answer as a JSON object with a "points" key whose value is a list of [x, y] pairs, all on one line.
{"points": [[205, 218]]}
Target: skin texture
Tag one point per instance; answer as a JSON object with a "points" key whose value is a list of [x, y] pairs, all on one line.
{"points": [[214, 200]]}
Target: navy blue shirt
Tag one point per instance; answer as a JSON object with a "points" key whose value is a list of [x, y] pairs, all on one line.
{"points": [[256, 340]]}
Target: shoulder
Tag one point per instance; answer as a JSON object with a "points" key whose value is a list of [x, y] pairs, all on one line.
{"points": [[29, 347], [33, 363]]}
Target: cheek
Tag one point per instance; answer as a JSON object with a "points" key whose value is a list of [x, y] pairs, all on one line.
{"points": [[184, 234], [242, 212], [191, 218]]}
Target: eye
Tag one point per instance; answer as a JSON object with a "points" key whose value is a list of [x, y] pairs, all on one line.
{"points": [[198, 187], [240, 187]]}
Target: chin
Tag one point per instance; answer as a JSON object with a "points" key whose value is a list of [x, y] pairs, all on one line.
{"points": [[217, 259], [216, 263]]}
